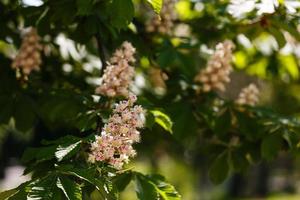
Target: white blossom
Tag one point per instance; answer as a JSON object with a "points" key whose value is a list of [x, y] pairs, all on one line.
{"points": [[114, 145], [216, 74]]}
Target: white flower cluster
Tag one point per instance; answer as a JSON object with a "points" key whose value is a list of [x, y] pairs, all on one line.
{"points": [[114, 145], [248, 95], [216, 74], [164, 23], [29, 56], [119, 73], [240, 8]]}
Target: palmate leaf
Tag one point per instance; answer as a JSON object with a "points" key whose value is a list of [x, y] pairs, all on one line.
{"points": [[42, 188], [48, 187], [88, 174], [155, 187]]}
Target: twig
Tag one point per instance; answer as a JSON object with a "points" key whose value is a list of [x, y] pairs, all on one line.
{"points": [[102, 51]]}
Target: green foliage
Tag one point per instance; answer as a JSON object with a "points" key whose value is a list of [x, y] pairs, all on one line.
{"points": [[154, 187], [122, 13], [162, 119], [57, 101], [219, 169], [156, 5], [70, 189]]}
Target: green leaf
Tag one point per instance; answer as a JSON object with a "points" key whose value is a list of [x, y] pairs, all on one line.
{"points": [[150, 121], [167, 55], [15, 194], [86, 121], [291, 28], [145, 189], [184, 122], [278, 36], [156, 5], [42, 153], [270, 146], [122, 12], [248, 125], [164, 189], [84, 7], [89, 176], [24, 115], [42, 188], [219, 169], [122, 180], [8, 193], [223, 122], [238, 160], [163, 120], [153, 187], [70, 188], [63, 151]]}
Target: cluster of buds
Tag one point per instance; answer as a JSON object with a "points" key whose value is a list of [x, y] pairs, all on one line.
{"points": [[29, 56], [114, 145], [248, 95], [119, 73], [216, 74], [165, 22]]}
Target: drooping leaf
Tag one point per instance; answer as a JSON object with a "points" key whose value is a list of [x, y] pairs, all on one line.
{"points": [[163, 120], [155, 187], [145, 190], [122, 180], [70, 188], [219, 170], [165, 190]]}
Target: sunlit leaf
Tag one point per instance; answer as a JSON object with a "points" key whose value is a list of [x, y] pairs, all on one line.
{"points": [[156, 5], [63, 151], [163, 120]]}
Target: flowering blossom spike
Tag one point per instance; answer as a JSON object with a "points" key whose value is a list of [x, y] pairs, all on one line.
{"points": [[119, 73], [29, 57], [114, 145], [165, 22], [216, 74], [248, 95]]}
